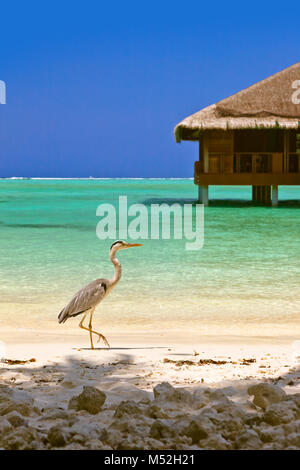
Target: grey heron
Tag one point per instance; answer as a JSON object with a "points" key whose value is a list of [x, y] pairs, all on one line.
{"points": [[89, 297]]}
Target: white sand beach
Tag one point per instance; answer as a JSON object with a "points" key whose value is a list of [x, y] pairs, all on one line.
{"points": [[162, 391]]}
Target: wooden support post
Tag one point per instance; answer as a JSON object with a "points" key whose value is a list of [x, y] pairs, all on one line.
{"points": [[203, 194], [274, 195], [286, 142], [268, 194], [261, 193], [201, 159]]}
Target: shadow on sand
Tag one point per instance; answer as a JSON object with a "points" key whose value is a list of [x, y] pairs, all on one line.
{"points": [[52, 386], [120, 348]]}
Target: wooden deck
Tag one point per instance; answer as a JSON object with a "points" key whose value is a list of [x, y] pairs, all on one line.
{"points": [[260, 168]]}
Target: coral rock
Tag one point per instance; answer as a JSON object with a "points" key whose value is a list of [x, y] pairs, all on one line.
{"points": [[15, 419], [280, 413], [165, 392], [266, 394], [127, 407], [5, 426], [56, 437], [248, 439], [160, 430], [91, 399]]}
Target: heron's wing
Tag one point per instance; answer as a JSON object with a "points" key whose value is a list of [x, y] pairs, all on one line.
{"points": [[85, 299]]}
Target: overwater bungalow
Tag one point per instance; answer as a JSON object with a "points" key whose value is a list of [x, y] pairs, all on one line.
{"points": [[251, 138]]}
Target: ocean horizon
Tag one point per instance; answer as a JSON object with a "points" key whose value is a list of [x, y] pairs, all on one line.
{"points": [[90, 178]]}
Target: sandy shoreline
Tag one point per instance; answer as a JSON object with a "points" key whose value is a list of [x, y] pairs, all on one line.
{"points": [[163, 354], [213, 371]]}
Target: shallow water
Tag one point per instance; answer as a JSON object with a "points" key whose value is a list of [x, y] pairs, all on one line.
{"points": [[245, 279]]}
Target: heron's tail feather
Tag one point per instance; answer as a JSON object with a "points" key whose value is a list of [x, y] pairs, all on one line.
{"points": [[63, 316]]}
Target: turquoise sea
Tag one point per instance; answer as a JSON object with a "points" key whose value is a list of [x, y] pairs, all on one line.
{"points": [[245, 279]]}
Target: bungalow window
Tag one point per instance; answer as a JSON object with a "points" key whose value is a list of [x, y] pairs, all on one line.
{"points": [[294, 153], [263, 164], [242, 163], [246, 163], [297, 143], [293, 163]]}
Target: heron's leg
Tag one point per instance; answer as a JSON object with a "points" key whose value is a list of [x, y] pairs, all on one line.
{"points": [[90, 328], [87, 329], [96, 333], [104, 339], [81, 321]]}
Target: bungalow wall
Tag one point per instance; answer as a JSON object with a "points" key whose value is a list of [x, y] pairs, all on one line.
{"points": [[227, 150]]}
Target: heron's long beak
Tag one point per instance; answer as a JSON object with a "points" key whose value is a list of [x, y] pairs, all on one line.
{"points": [[130, 245]]}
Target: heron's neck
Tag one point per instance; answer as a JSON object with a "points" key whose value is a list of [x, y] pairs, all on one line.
{"points": [[118, 269]]}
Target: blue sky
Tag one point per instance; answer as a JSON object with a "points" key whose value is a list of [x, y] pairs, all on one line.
{"points": [[95, 88]]}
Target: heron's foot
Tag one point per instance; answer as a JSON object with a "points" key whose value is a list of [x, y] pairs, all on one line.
{"points": [[104, 339]]}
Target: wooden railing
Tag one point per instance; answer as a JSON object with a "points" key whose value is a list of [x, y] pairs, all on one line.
{"points": [[247, 162]]}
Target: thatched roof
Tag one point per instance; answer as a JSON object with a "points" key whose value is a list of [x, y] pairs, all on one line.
{"points": [[267, 104]]}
